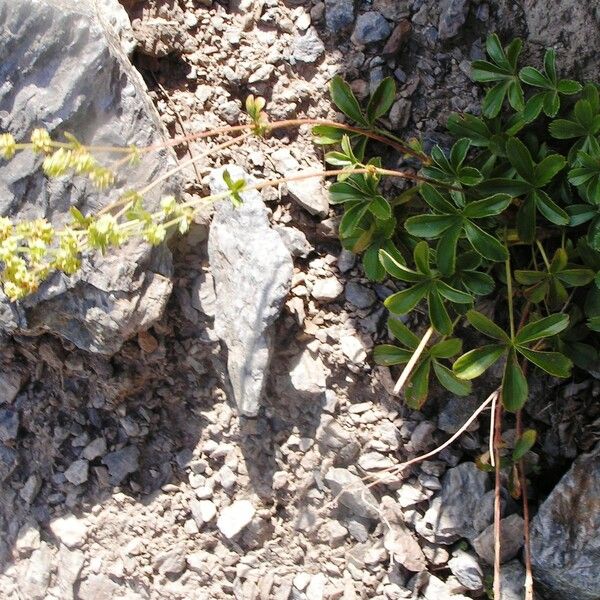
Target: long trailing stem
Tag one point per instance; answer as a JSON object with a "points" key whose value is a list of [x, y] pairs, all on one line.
{"points": [[497, 500], [397, 469], [525, 501]]}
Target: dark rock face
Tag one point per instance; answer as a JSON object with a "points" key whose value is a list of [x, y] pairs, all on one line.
{"points": [[573, 28], [565, 545], [64, 69]]}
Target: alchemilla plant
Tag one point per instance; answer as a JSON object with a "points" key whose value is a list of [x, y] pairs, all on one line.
{"points": [[511, 210]]}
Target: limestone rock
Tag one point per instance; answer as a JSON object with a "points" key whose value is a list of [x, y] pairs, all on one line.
{"points": [[564, 534], [235, 517], [77, 473], [70, 530], [339, 14], [121, 463], [453, 17], [308, 193], [37, 576], [252, 270], [10, 384], [355, 495], [573, 28], [307, 374], [70, 563], [511, 535], [370, 27], [93, 91], [398, 539], [308, 47]]}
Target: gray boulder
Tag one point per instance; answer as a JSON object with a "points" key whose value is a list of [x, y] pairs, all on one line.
{"points": [[63, 68], [565, 546], [451, 513], [252, 270], [573, 28]]}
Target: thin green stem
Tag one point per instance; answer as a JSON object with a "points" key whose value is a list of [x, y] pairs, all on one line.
{"points": [[543, 253], [511, 314]]}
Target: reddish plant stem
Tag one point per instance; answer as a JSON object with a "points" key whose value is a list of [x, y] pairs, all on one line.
{"points": [[291, 123], [527, 546], [497, 499]]}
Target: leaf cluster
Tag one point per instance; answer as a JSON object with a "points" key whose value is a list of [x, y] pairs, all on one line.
{"points": [[510, 211]]}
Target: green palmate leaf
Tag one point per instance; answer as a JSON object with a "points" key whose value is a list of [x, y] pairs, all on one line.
{"points": [[404, 301], [551, 103], [352, 218], [488, 207], [550, 64], [576, 277], [532, 76], [327, 134], [372, 265], [380, 207], [338, 159], [458, 153], [381, 100], [559, 261], [563, 129], [388, 355], [446, 249], [470, 127], [343, 97], [469, 176], [342, 191], [594, 324], [418, 385], [512, 52], [446, 348], [435, 199], [554, 213], [483, 243], [492, 103], [475, 362], [568, 87], [526, 219], [438, 315], [486, 326], [520, 158], [495, 51], [429, 226], [450, 381], [402, 333], [546, 170], [512, 187], [453, 294], [396, 269], [524, 444], [514, 384], [554, 363], [529, 277], [542, 328], [533, 107], [477, 283], [515, 95], [421, 257]]}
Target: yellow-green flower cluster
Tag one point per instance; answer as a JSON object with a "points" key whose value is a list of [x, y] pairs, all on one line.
{"points": [[79, 161], [23, 255], [8, 146], [31, 250], [41, 141], [104, 232], [172, 211]]}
